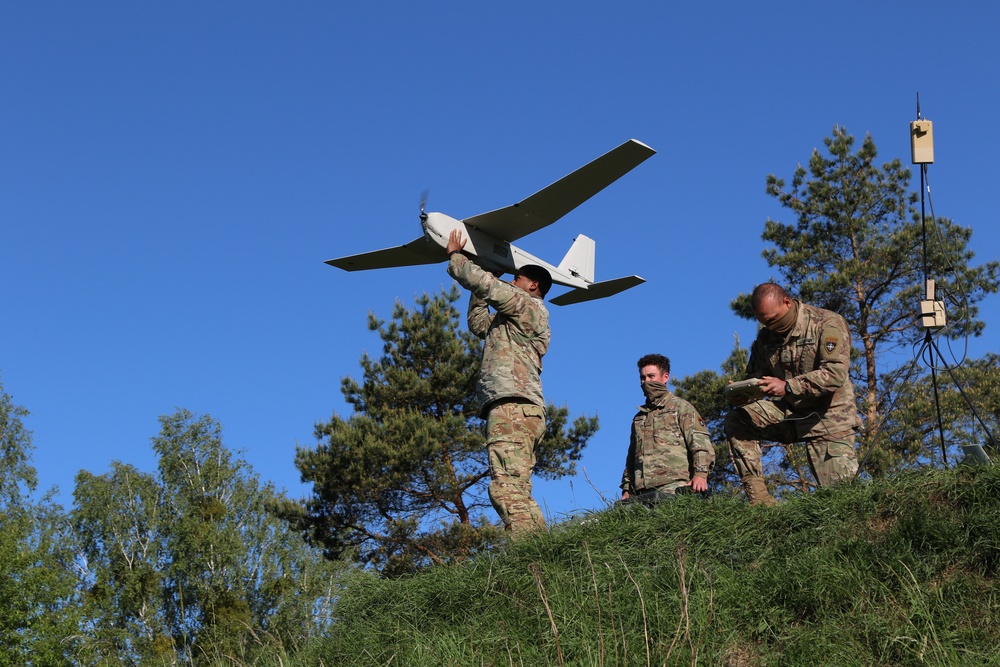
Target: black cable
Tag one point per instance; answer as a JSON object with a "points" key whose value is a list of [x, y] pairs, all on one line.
{"points": [[929, 346]]}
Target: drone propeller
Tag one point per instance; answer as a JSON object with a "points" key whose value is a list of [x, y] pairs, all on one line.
{"points": [[423, 205]]}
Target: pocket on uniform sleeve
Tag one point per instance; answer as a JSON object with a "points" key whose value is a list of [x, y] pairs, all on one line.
{"points": [[532, 410]]}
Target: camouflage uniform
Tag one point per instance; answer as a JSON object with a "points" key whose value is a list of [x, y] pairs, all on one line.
{"points": [[509, 387], [814, 359], [669, 444]]}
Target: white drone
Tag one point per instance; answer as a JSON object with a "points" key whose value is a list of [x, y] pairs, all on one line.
{"points": [[490, 234]]}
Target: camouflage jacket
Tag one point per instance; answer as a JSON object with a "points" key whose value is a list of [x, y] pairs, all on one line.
{"points": [[669, 444], [515, 337], [815, 360]]}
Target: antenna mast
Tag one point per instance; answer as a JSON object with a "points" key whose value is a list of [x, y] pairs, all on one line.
{"points": [[932, 313]]}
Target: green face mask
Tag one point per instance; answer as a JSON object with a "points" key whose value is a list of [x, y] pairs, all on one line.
{"points": [[785, 324], [654, 390]]}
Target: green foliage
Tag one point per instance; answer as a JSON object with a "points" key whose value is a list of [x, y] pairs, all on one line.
{"points": [[37, 581], [191, 564], [969, 399], [401, 483], [857, 248], [118, 521], [18, 478], [561, 446], [901, 571]]}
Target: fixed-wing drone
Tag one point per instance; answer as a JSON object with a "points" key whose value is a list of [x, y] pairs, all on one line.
{"points": [[490, 234]]}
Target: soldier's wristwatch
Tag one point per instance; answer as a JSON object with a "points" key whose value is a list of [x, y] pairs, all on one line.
{"points": [[788, 389]]}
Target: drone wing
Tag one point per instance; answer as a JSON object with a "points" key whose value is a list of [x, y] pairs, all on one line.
{"points": [[548, 205], [416, 252]]}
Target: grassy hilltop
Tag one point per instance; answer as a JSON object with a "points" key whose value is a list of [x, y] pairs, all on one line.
{"points": [[900, 571]]}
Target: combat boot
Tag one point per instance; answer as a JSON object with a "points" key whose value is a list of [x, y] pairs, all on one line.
{"points": [[757, 493]]}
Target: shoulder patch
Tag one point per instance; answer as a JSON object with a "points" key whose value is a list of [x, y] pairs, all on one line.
{"points": [[830, 343]]}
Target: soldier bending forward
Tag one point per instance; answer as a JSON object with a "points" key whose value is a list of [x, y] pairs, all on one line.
{"points": [[803, 357]]}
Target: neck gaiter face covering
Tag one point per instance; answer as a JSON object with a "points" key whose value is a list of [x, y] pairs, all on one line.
{"points": [[654, 390], [785, 324]]}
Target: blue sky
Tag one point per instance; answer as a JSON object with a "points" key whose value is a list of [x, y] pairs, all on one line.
{"points": [[173, 175]]}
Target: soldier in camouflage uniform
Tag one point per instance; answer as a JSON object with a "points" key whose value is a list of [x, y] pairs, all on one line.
{"points": [[670, 447], [510, 386], [803, 357]]}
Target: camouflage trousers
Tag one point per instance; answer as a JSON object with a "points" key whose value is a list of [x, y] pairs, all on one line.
{"points": [[513, 430], [832, 458]]}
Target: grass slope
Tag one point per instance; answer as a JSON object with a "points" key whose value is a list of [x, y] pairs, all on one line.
{"points": [[894, 572]]}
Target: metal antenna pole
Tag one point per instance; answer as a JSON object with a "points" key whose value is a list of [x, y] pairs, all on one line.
{"points": [[928, 345]]}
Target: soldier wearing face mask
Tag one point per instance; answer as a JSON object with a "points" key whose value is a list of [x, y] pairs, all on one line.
{"points": [[802, 356], [670, 447]]}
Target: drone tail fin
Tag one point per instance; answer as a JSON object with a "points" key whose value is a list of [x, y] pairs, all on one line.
{"points": [[579, 261]]}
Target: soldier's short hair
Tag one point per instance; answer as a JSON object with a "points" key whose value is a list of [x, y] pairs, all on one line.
{"points": [[657, 360], [765, 291], [538, 274]]}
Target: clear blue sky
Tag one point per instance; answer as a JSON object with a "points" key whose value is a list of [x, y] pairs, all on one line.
{"points": [[173, 175]]}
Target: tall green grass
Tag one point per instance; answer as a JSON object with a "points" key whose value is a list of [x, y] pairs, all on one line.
{"points": [[894, 572]]}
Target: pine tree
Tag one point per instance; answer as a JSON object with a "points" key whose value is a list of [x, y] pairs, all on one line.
{"points": [[401, 483]]}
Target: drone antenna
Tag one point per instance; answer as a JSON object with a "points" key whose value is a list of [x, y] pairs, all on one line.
{"points": [[932, 310]]}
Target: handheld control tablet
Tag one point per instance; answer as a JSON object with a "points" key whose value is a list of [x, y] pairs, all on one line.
{"points": [[744, 391]]}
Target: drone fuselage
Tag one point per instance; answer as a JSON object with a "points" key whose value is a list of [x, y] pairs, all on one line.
{"points": [[489, 252]]}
